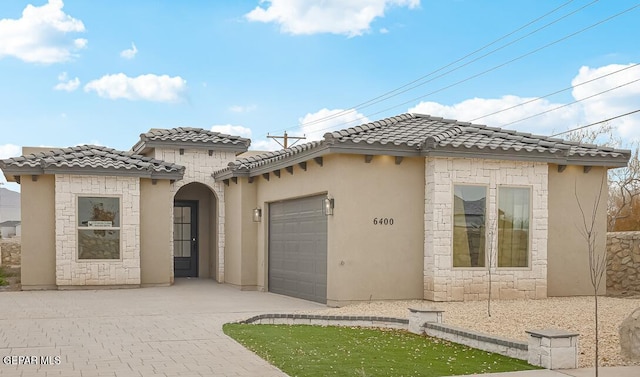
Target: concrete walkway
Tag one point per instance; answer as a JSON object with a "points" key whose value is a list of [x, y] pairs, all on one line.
{"points": [[165, 331], [583, 372], [168, 331]]}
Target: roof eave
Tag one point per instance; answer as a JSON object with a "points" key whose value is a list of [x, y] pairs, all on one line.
{"points": [[10, 171], [374, 149], [145, 146], [559, 158], [289, 161], [227, 174], [140, 173]]}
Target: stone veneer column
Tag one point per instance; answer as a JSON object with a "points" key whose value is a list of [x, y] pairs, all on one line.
{"points": [[442, 282], [199, 166], [71, 271]]}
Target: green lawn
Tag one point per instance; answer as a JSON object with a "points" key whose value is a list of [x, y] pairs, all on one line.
{"points": [[3, 277], [306, 351]]}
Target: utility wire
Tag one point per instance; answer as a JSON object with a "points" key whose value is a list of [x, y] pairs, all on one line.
{"points": [[571, 103], [595, 123], [493, 68], [554, 93], [390, 94], [471, 61]]}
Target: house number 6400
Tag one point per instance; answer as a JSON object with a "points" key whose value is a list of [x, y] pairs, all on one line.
{"points": [[383, 221]]}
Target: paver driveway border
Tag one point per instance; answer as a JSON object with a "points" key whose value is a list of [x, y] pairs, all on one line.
{"points": [[163, 331]]}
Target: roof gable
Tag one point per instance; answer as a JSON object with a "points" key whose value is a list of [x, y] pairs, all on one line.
{"points": [[93, 160], [425, 135], [188, 137]]}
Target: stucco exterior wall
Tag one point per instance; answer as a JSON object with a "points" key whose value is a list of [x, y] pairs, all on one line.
{"points": [[443, 282], [70, 270], [199, 167], [241, 265], [37, 200], [156, 227], [365, 261], [568, 273]]}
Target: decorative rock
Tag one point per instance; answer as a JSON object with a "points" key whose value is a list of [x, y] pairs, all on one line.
{"points": [[630, 336], [623, 262]]}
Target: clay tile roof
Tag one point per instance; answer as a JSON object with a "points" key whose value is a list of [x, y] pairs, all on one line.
{"points": [[91, 159], [422, 135], [190, 137]]}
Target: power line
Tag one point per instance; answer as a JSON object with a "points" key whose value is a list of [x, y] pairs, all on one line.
{"points": [[397, 91], [571, 103], [554, 93], [595, 123], [469, 78]]}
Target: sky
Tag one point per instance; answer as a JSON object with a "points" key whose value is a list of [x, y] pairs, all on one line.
{"points": [[103, 72]]}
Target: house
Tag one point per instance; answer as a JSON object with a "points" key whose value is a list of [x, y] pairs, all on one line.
{"points": [[10, 229], [408, 207]]}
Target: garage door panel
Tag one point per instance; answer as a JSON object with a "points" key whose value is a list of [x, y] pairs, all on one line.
{"points": [[298, 248]]}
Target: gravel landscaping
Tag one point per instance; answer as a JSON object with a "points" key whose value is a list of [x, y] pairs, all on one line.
{"points": [[511, 318]]}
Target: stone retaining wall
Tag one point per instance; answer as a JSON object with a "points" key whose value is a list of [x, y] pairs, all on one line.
{"points": [[623, 262], [10, 252]]}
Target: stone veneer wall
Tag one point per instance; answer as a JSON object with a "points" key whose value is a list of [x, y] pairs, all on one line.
{"points": [[70, 270], [198, 168], [10, 252], [623, 262], [442, 282]]}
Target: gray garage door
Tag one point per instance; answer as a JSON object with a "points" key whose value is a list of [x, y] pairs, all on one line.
{"points": [[298, 249]]}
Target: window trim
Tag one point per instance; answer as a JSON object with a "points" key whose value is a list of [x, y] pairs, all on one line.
{"points": [[487, 188], [529, 266], [78, 227]]}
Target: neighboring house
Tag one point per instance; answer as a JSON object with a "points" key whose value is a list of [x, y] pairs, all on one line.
{"points": [[9, 229], [403, 208], [9, 204]]}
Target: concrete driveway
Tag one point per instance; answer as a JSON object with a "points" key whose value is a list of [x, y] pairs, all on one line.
{"points": [[164, 331]]}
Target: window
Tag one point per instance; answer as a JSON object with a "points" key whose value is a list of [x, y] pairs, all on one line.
{"points": [[98, 228], [513, 226], [469, 203]]}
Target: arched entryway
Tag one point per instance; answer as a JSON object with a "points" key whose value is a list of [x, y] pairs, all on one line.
{"points": [[195, 240]]}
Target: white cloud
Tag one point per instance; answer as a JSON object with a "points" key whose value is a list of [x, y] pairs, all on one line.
{"points": [[265, 145], [148, 87], [129, 53], [9, 150], [242, 109], [315, 125], [66, 84], [348, 17], [80, 43], [40, 35], [471, 109], [613, 103], [232, 130], [601, 107]]}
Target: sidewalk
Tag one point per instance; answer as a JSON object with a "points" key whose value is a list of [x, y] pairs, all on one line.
{"points": [[582, 372]]}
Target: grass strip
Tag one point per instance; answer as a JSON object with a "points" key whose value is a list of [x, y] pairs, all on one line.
{"points": [[306, 351]]}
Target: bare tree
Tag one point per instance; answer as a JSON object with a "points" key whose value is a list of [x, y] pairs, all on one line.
{"points": [[624, 183], [491, 258], [624, 186], [597, 261]]}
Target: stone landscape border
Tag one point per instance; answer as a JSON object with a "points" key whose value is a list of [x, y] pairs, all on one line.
{"points": [[429, 322]]}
